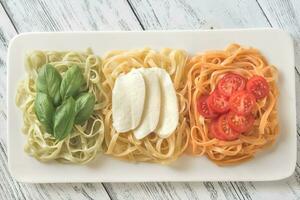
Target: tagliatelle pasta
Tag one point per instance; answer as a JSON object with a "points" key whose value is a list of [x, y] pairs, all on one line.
{"points": [[205, 71], [192, 77], [152, 148]]}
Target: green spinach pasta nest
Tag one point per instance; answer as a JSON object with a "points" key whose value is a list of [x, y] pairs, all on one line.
{"points": [[74, 97]]}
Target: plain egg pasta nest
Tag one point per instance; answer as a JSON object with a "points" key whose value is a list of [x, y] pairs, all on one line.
{"points": [[205, 71], [152, 148], [85, 141]]}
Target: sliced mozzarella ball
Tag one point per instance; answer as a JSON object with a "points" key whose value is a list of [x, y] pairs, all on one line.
{"points": [[128, 97], [151, 111], [169, 114]]}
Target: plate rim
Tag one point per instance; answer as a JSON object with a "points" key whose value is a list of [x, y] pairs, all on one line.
{"points": [[8, 93]]}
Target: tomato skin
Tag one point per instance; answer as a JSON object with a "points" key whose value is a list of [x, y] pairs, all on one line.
{"points": [[240, 123], [218, 103], [230, 105], [258, 86], [231, 83], [224, 130], [214, 132], [242, 102], [204, 109]]}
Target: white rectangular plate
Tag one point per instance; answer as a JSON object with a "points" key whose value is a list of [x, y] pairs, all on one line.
{"points": [[274, 163]]}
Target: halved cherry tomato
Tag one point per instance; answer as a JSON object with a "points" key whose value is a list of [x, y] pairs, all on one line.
{"points": [[240, 123], [223, 131], [204, 109], [231, 83], [218, 102], [242, 102], [214, 132], [258, 86]]}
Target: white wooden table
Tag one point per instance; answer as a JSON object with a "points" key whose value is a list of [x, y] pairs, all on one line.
{"points": [[87, 15]]}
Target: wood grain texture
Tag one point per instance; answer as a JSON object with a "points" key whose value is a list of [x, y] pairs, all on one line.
{"points": [[59, 15], [285, 14], [64, 15], [190, 14], [7, 31], [10, 189], [172, 191]]}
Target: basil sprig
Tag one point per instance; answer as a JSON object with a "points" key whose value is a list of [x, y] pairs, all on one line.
{"points": [[71, 82], [48, 82], [55, 91], [84, 107], [64, 119], [44, 110]]}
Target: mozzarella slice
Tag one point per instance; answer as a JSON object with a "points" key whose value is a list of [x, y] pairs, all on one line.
{"points": [[169, 114], [151, 111], [128, 97]]}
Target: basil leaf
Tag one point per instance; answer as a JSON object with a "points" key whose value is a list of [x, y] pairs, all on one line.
{"points": [[44, 111], [48, 82], [84, 107], [64, 119], [71, 82]]}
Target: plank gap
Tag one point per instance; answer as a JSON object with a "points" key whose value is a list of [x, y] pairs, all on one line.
{"points": [[239, 189], [298, 73], [238, 195], [107, 191], [135, 14], [263, 12], [9, 17]]}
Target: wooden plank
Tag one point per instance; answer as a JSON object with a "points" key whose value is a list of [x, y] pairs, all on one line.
{"points": [[172, 191], [7, 31], [285, 15], [64, 15], [10, 189], [190, 14]]}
